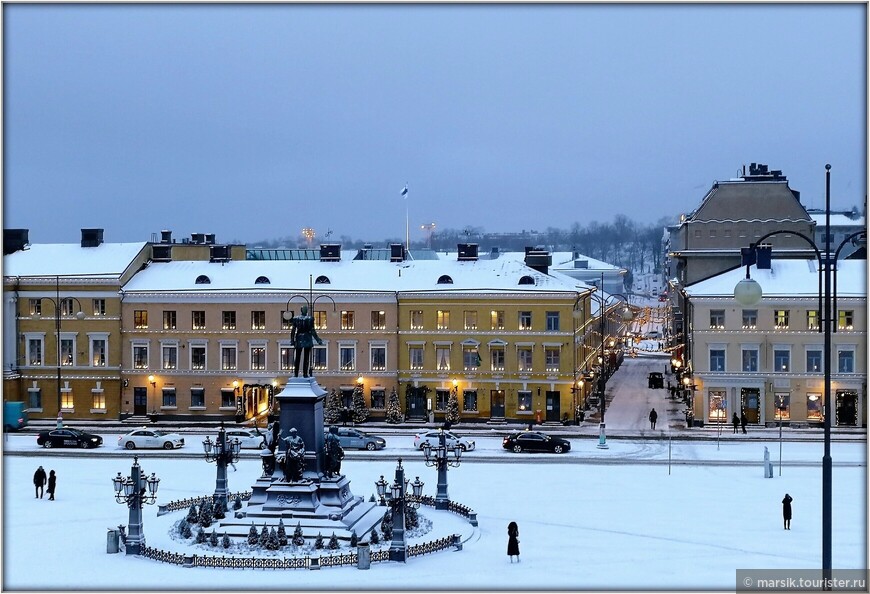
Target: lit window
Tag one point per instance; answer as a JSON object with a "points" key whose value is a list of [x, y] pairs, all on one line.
{"points": [[525, 320], [258, 358], [782, 406], [140, 356], [347, 320], [442, 319], [229, 320], [98, 398], [197, 356], [66, 399], [228, 358], [170, 356], [845, 319], [98, 352], [814, 407], [320, 320], [197, 321], [34, 351], [416, 319], [497, 319], [258, 320], [379, 320], [750, 319], [140, 319], [470, 320], [813, 319], [780, 319], [169, 320], [36, 307], [99, 309]]}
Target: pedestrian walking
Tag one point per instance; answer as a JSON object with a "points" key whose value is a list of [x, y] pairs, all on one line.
{"points": [[786, 512], [39, 480], [735, 420], [653, 415], [743, 421], [513, 547], [52, 483]]}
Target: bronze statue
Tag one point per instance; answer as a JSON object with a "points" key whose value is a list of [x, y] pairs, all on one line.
{"points": [[302, 339], [333, 453], [294, 456]]}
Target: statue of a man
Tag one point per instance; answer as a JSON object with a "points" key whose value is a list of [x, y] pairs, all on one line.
{"points": [[302, 339], [333, 453], [294, 457]]}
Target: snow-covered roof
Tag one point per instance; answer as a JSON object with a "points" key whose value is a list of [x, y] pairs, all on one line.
{"points": [[838, 220], [71, 259], [348, 276], [787, 278]]}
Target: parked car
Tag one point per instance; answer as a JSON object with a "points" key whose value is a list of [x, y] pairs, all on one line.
{"points": [[534, 441], [354, 438], [451, 440], [68, 438], [248, 438], [149, 438], [655, 380]]}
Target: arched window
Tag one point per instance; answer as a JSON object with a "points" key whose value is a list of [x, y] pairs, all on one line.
{"points": [[445, 279], [203, 280], [322, 280], [526, 280], [262, 280]]}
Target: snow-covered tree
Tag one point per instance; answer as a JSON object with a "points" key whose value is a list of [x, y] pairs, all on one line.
{"points": [[263, 541], [253, 535], [192, 514], [318, 542], [186, 531], [205, 514], [374, 539], [219, 511], [354, 539], [298, 538], [360, 411], [394, 410], [387, 525], [411, 520], [237, 505], [333, 542], [225, 541], [332, 408], [452, 414], [273, 543], [282, 534], [213, 538], [200, 535]]}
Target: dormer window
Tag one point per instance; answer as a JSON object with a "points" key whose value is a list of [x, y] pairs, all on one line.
{"points": [[527, 280], [445, 279], [262, 280], [203, 280], [322, 280]]}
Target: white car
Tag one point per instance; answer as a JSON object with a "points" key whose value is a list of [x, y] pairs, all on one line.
{"points": [[247, 438], [451, 440], [149, 438]]}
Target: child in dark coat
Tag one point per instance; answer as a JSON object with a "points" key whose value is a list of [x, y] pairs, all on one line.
{"points": [[513, 547], [786, 512], [52, 482]]}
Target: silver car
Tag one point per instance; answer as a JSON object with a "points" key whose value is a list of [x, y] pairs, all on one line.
{"points": [[350, 438], [249, 439], [451, 440]]}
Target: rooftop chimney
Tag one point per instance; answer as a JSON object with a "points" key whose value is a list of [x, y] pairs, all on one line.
{"points": [[397, 252], [539, 259], [92, 237], [166, 236], [14, 240], [466, 252], [330, 252]]}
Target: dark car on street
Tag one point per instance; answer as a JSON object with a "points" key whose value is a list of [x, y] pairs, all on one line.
{"points": [[533, 441], [656, 380], [68, 438], [353, 438]]}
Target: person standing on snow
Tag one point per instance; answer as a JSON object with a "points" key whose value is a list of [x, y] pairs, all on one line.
{"points": [[786, 512], [52, 482], [735, 420], [653, 416], [513, 547], [39, 481]]}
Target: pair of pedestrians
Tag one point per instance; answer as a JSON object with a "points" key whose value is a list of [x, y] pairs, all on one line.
{"points": [[40, 480]]}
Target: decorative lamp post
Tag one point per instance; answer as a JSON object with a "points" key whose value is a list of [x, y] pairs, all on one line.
{"points": [[62, 307], [748, 293], [381, 486], [135, 490], [397, 498], [222, 452], [439, 458]]}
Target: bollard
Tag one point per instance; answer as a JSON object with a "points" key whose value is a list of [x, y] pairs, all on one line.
{"points": [[188, 561], [457, 543], [113, 541], [472, 518], [315, 563], [768, 465], [363, 556]]}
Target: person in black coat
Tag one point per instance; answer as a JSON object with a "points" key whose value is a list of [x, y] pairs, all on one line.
{"points": [[39, 481], [52, 482], [653, 416], [786, 512], [743, 421], [735, 420], [513, 547]]}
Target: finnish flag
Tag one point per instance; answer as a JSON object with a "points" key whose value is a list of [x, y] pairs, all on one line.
{"points": [[405, 191]]}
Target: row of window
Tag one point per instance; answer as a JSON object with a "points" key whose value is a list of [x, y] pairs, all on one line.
{"points": [[845, 319], [347, 320], [67, 399], [68, 307], [35, 352], [718, 407], [782, 359]]}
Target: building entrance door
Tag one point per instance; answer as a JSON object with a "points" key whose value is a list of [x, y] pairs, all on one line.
{"points": [[749, 404], [553, 406], [416, 403], [846, 412], [140, 401], [496, 404]]}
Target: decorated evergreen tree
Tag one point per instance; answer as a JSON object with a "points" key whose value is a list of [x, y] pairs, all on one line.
{"points": [[374, 538], [354, 539], [192, 514], [411, 520], [282, 534], [219, 510], [225, 541], [333, 542], [238, 503], [253, 536], [318, 542], [186, 532], [263, 540], [205, 514], [394, 411], [332, 408], [212, 538], [200, 535], [273, 543], [452, 414], [387, 526], [298, 538], [360, 411]]}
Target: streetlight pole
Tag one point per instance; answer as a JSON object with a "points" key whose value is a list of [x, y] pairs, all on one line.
{"points": [[441, 461], [222, 453], [131, 490], [397, 498], [748, 293]]}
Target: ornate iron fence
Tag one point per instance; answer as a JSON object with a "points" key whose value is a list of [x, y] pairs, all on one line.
{"points": [[186, 503], [430, 547]]}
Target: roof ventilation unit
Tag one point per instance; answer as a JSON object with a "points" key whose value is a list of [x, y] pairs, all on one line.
{"points": [[330, 252], [467, 252], [92, 237]]}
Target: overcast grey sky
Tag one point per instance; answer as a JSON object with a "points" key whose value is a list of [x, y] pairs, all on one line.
{"points": [[253, 121]]}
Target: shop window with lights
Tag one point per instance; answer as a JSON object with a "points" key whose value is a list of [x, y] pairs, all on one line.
{"points": [[845, 319], [524, 401], [814, 407], [717, 410], [67, 400], [98, 401], [782, 406], [780, 319], [442, 395], [378, 398]]}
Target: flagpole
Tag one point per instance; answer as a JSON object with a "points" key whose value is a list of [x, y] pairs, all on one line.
{"points": [[407, 226]]}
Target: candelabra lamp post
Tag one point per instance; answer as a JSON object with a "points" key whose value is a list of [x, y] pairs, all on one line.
{"points": [[135, 490], [222, 452], [439, 458], [397, 498], [748, 293]]}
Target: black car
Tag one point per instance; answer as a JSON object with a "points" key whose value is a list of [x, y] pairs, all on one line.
{"points": [[532, 441], [68, 438], [655, 380]]}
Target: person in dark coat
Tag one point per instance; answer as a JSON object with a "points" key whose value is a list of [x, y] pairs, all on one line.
{"points": [[513, 541], [39, 481], [653, 415], [52, 482], [786, 512], [735, 420], [743, 421]]}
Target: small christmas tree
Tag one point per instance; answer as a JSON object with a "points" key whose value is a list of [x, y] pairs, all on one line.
{"points": [[332, 408], [237, 505], [219, 510], [387, 526], [354, 539], [318, 542], [298, 538], [282, 534], [411, 520], [333, 542], [394, 411], [263, 541], [200, 535], [192, 514], [212, 538], [360, 411], [186, 532], [452, 414], [205, 514], [253, 536], [225, 541], [273, 544], [374, 539]]}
